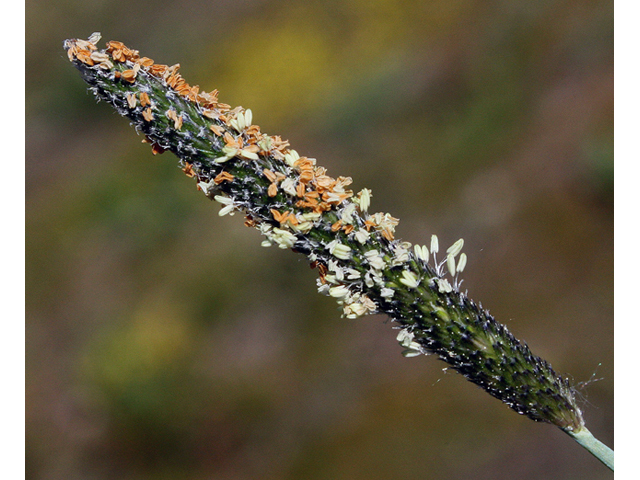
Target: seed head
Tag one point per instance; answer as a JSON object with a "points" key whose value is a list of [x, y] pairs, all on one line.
{"points": [[296, 205]]}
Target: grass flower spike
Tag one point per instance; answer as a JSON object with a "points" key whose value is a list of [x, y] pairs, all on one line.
{"points": [[296, 205]]}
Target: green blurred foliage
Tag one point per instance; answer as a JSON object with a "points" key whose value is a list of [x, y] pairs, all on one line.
{"points": [[165, 343]]}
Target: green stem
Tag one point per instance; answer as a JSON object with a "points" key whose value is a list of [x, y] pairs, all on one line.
{"points": [[598, 449]]}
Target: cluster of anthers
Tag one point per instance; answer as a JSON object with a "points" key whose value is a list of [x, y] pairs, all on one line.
{"points": [[295, 204]]}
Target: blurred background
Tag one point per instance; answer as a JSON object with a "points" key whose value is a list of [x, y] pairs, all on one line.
{"points": [[163, 342]]}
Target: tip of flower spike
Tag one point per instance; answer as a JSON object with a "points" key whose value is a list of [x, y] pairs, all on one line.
{"points": [[93, 39], [78, 49]]}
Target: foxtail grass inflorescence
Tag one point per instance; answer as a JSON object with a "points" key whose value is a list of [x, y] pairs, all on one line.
{"points": [[296, 205]]}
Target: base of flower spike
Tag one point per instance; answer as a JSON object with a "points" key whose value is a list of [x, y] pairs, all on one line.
{"points": [[598, 449]]}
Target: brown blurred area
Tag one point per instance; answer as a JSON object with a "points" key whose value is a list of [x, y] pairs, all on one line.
{"points": [[163, 342]]}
